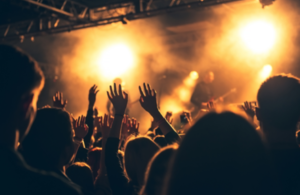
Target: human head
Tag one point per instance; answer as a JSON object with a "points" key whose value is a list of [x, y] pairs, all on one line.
{"points": [[209, 77], [221, 154], [49, 144], [278, 99], [138, 153], [21, 81], [81, 174], [157, 170]]}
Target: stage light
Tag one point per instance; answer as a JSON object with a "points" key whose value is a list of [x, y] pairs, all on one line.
{"points": [[266, 71], [194, 75], [115, 60], [258, 36]]}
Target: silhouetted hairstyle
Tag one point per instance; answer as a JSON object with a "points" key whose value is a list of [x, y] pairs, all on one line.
{"points": [[50, 134], [278, 99], [81, 174], [221, 154], [138, 153], [19, 75], [157, 170]]}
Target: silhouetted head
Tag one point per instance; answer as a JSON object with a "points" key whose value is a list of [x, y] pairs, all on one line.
{"points": [[138, 153], [278, 100], [21, 81], [221, 154], [157, 170], [81, 174], [209, 77], [49, 144]]}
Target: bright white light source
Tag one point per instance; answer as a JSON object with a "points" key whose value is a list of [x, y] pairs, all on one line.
{"points": [[259, 36], [115, 60], [194, 75], [266, 71]]}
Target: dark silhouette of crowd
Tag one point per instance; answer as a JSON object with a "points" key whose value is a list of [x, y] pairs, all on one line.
{"points": [[48, 151]]}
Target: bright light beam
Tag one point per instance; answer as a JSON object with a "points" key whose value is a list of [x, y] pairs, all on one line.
{"points": [[259, 36], [115, 60], [266, 71]]}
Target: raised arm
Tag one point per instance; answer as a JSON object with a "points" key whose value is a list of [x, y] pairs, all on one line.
{"points": [[115, 173], [89, 117], [80, 130], [149, 103], [119, 99]]}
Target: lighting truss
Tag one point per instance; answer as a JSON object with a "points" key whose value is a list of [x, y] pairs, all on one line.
{"points": [[55, 16]]}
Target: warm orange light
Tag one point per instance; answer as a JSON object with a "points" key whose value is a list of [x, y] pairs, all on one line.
{"points": [[266, 71], [115, 60], [259, 36], [194, 75]]}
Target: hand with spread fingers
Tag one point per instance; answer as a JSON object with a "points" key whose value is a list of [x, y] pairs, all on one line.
{"points": [[92, 95], [134, 127], [118, 98], [148, 99], [80, 128], [249, 109], [58, 101]]}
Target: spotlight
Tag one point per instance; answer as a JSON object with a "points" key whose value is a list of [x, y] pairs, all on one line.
{"points": [[115, 60], [194, 75], [259, 36], [266, 71]]}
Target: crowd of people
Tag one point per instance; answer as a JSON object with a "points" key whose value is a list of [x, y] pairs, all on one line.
{"points": [[48, 151]]}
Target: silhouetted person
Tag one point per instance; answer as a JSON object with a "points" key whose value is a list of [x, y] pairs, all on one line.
{"points": [[203, 92], [21, 81], [279, 113], [221, 154]]}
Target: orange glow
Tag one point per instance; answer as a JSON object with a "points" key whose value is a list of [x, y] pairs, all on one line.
{"points": [[194, 75], [266, 71], [185, 94], [259, 36], [115, 60]]}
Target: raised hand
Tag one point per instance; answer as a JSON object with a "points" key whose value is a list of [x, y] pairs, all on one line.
{"points": [[148, 99], [125, 126], [58, 100], [134, 127], [92, 95], [118, 98], [169, 117], [80, 128], [104, 124], [249, 109]]}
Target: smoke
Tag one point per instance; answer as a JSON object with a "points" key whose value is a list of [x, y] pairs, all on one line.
{"points": [[208, 40]]}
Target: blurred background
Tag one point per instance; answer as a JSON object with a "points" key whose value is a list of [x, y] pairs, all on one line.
{"points": [[171, 47]]}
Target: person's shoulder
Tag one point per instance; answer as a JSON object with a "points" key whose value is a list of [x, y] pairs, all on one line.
{"points": [[51, 183]]}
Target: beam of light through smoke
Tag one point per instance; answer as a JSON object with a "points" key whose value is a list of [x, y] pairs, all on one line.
{"points": [[259, 36], [266, 71], [115, 60]]}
